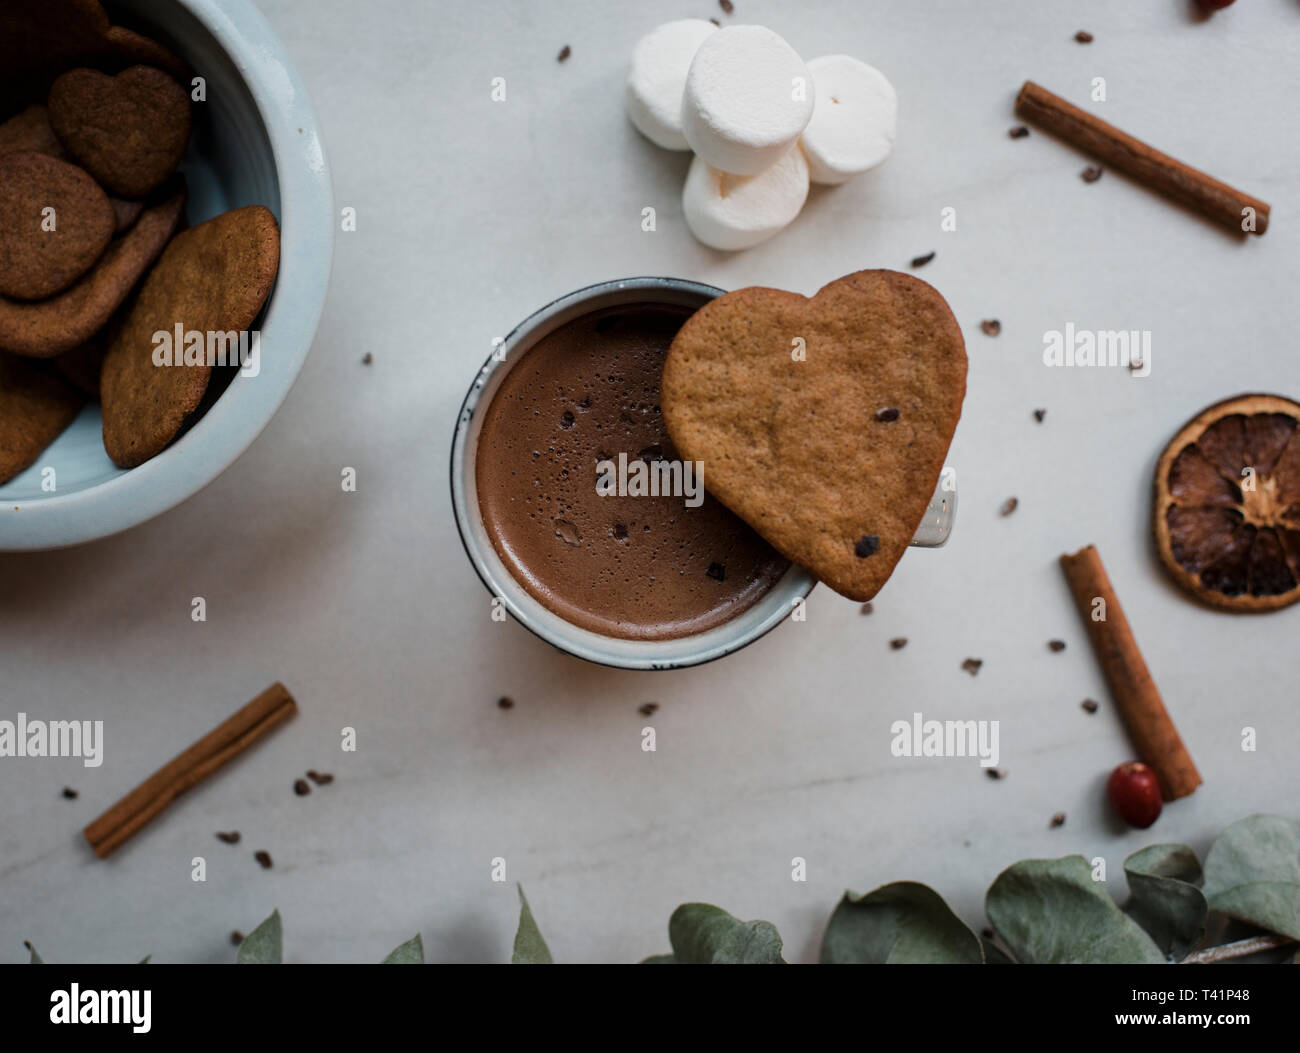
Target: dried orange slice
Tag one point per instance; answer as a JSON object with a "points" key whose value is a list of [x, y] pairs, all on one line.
{"points": [[1227, 515]]}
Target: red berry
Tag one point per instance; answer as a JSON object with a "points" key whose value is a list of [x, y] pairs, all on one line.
{"points": [[1214, 5], [1135, 793]]}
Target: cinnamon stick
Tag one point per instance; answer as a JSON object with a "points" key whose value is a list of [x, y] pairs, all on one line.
{"points": [[1157, 740], [1192, 187], [148, 800]]}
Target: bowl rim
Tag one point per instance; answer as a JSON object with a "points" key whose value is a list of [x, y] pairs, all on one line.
{"points": [[307, 242], [770, 611]]}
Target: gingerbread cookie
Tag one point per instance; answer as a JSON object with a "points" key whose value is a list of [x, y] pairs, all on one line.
{"points": [[38, 36], [133, 49], [213, 279], [48, 327], [822, 422], [30, 130], [129, 131], [35, 406], [125, 213], [55, 222], [82, 365]]}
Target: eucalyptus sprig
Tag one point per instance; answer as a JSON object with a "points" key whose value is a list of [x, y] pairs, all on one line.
{"points": [[1042, 911]]}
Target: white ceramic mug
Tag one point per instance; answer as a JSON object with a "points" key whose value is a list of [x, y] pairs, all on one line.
{"points": [[775, 606]]}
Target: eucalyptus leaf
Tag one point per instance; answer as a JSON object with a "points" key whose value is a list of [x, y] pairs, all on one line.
{"points": [[904, 923], [1164, 898], [530, 948], [409, 953], [702, 934], [993, 954], [144, 960], [36, 959], [1253, 873], [659, 959], [1051, 911], [262, 946]]}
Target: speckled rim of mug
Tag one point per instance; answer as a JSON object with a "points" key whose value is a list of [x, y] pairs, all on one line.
{"points": [[733, 634], [292, 312]]}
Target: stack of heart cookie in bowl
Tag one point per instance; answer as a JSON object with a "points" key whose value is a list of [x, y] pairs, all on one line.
{"points": [[763, 124], [98, 271]]}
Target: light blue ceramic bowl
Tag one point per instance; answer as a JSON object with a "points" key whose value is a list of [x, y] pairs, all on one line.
{"points": [[256, 142]]}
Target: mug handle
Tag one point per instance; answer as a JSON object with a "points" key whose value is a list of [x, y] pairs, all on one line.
{"points": [[936, 524]]}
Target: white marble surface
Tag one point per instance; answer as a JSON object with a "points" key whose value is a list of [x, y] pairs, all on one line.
{"points": [[470, 215]]}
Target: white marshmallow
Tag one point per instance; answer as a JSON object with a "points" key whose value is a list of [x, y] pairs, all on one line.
{"points": [[732, 212], [854, 120], [656, 79], [748, 96]]}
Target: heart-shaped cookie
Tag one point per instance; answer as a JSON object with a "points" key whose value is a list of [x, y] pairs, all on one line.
{"points": [[125, 212], [41, 38], [211, 281], [36, 404], [128, 131], [30, 130], [822, 422], [129, 48], [48, 327], [55, 222]]}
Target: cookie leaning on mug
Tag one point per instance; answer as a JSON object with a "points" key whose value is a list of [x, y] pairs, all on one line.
{"points": [[823, 422]]}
